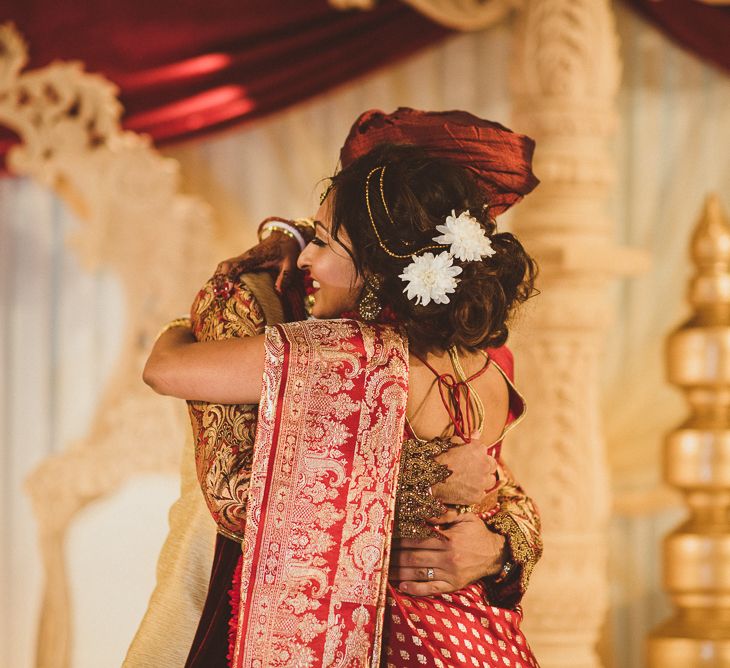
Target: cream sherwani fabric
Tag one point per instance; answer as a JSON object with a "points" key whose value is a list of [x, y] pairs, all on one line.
{"points": [[183, 569]]}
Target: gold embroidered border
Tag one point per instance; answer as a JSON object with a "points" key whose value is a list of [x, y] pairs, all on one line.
{"points": [[508, 428], [330, 488], [523, 553]]}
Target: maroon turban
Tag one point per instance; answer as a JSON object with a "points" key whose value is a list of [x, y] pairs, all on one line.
{"points": [[500, 159]]}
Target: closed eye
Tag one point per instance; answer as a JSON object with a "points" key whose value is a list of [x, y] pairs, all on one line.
{"points": [[318, 242]]}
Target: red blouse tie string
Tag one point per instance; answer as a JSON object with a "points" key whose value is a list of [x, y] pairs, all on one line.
{"points": [[452, 391]]}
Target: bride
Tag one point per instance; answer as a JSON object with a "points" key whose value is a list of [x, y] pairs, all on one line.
{"points": [[406, 357]]}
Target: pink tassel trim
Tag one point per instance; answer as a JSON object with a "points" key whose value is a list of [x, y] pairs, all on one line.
{"points": [[234, 596]]}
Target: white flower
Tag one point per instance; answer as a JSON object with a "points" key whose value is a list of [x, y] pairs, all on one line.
{"points": [[430, 278], [468, 239]]}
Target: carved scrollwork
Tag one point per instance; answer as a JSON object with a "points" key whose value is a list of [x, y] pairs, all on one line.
{"points": [[466, 15], [457, 14], [353, 4], [568, 51], [134, 220]]}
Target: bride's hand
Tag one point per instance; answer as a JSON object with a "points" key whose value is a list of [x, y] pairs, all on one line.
{"points": [[473, 477], [277, 254]]}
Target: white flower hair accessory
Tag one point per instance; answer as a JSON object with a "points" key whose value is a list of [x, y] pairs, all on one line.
{"points": [[431, 278], [468, 239]]}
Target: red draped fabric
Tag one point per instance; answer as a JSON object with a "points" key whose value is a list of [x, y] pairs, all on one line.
{"points": [[188, 67], [702, 28]]}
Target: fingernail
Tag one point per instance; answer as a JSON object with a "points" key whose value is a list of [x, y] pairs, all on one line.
{"points": [[403, 587]]}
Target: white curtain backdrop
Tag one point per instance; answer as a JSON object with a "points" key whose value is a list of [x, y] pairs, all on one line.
{"points": [[60, 326]]}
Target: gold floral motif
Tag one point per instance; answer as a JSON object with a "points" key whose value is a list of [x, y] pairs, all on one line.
{"points": [[418, 474], [521, 551], [224, 434]]}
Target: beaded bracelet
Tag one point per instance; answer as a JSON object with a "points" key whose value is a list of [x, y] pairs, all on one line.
{"points": [[285, 228], [483, 515]]}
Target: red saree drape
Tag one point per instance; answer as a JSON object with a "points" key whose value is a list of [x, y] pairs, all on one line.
{"points": [[701, 28], [322, 496]]}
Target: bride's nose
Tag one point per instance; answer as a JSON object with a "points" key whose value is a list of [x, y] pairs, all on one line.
{"points": [[303, 259]]}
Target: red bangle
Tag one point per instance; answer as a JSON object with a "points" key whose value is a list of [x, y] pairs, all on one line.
{"points": [[488, 514]]}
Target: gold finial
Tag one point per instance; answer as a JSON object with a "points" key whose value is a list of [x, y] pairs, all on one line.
{"points": [[709, 289], [696, 461]]}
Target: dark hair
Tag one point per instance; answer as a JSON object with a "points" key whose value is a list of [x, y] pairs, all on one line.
{"points": [[420, 191]]}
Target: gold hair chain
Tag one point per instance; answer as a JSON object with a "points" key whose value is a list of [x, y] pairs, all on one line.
{"points": [[398, 256], [382, 196]]}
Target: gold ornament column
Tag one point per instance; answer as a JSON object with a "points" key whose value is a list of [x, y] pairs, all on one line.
{"points": [[697, 462], [565, 78]]}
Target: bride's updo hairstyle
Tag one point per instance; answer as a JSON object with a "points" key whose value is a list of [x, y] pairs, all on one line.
{"points": [[418, 192]]}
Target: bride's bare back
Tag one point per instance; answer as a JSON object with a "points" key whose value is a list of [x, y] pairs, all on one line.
{"points": [[426, 411]]}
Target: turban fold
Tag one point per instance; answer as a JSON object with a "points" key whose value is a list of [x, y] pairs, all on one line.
{"points": [[500, 159]]}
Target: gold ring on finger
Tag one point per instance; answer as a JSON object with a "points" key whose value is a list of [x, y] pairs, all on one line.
{"points": [[429, 573]]}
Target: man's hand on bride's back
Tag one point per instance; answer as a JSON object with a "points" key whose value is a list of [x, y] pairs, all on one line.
{"points": [[466, 549], [473, 475]]}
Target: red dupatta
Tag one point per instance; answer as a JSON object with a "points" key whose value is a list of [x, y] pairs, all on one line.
{"points": [[322, 496]]}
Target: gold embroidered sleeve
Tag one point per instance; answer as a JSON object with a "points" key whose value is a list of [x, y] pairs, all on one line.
{"points": [[224, 308], [419, 471], [518, 520]]}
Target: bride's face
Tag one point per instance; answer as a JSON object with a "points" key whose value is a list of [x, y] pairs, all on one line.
{"points": [[337, 284]]}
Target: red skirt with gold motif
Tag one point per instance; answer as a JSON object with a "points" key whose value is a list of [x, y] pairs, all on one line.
{"points": [[458, 629], [444, 631]]}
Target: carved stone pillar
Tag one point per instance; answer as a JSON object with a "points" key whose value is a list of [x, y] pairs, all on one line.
{"points": [[565, 77], [697, 461]]}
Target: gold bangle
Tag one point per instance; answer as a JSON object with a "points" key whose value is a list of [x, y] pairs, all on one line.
{"points": [[276, 228], [266, 221], [173, 324]]}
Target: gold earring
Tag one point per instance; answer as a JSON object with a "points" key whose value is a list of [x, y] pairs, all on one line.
{"points": [[369, 306]]}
